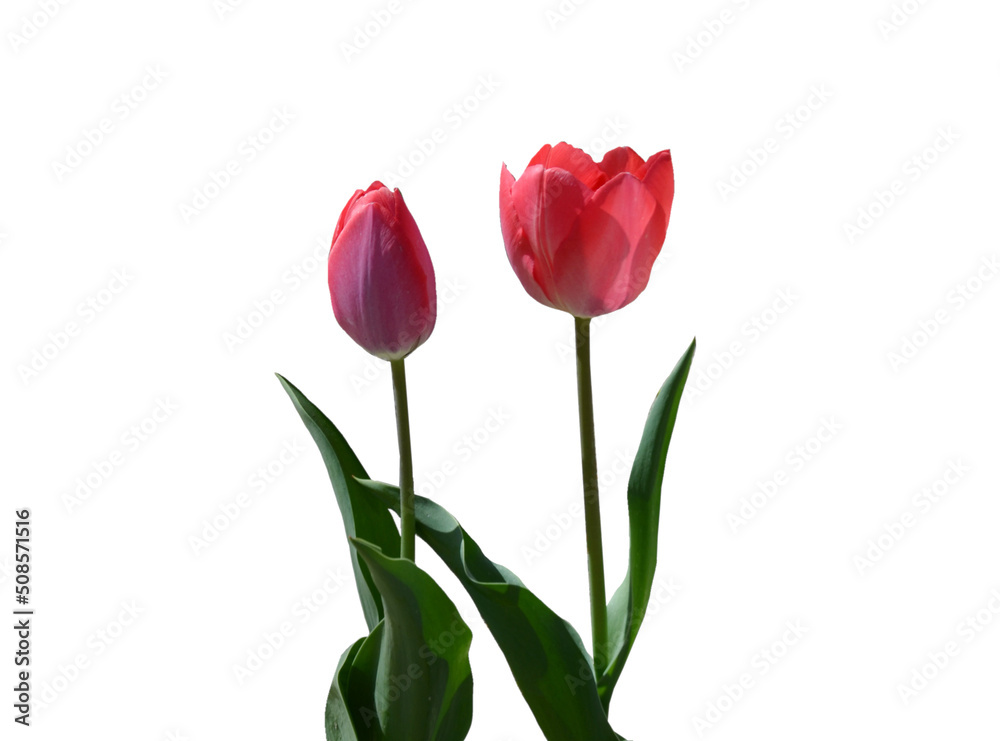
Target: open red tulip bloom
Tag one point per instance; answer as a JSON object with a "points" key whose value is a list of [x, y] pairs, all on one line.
{"points": [[582, 236], [381, 276]]}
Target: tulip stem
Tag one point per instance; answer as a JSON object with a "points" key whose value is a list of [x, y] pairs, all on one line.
{"points": [[407, 518], [591, 496]]}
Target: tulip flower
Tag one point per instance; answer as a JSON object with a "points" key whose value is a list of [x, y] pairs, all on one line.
{"points": [[381, 277], [383, 293], [582, 236]]}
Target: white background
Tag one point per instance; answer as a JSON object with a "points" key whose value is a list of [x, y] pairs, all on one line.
{"points": [[600, 74]]}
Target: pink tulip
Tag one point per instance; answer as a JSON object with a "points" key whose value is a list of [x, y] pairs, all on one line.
{"points": [[381, 276], [582, 236]]}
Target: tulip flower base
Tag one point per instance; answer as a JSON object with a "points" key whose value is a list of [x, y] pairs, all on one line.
{"points": [[581, 237]]}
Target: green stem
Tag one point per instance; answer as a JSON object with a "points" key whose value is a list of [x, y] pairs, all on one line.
{"points": [[591, 496], [407, 525]]}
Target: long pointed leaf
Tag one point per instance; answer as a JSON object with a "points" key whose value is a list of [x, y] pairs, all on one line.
{"points": [[362, 517], [628, 605]]}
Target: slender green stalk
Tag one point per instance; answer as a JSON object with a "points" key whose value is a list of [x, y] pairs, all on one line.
{"points": [[407, 527], [591, 496]]}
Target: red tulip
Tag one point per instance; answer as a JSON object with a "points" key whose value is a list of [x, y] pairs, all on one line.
{"points": [[582, 236], [381, 276]]}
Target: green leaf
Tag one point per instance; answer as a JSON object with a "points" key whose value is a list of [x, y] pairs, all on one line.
{"points": [[410, 679], [545, 654], [363, 518], [339, 721], [628, 605]]}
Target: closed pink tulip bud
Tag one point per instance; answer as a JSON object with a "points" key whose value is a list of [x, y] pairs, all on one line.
{"points": [[582, 236], [381, 276]]}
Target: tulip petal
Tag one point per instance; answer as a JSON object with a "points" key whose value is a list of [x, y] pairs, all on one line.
{"points": [[548, 202], [345, 214], [587, 267], [519, 253], [375, 193], [381, 294], [660, 180], [573, 160], [381, 195], [595, 264], [623, 159], [635, 207], [509, 223], [412, 236], [634, 276]]}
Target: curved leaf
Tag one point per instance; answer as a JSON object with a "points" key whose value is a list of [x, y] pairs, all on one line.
{"points": [[339, 721], [410, 679], [545, 654], [628, 605], [362, 517]]}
